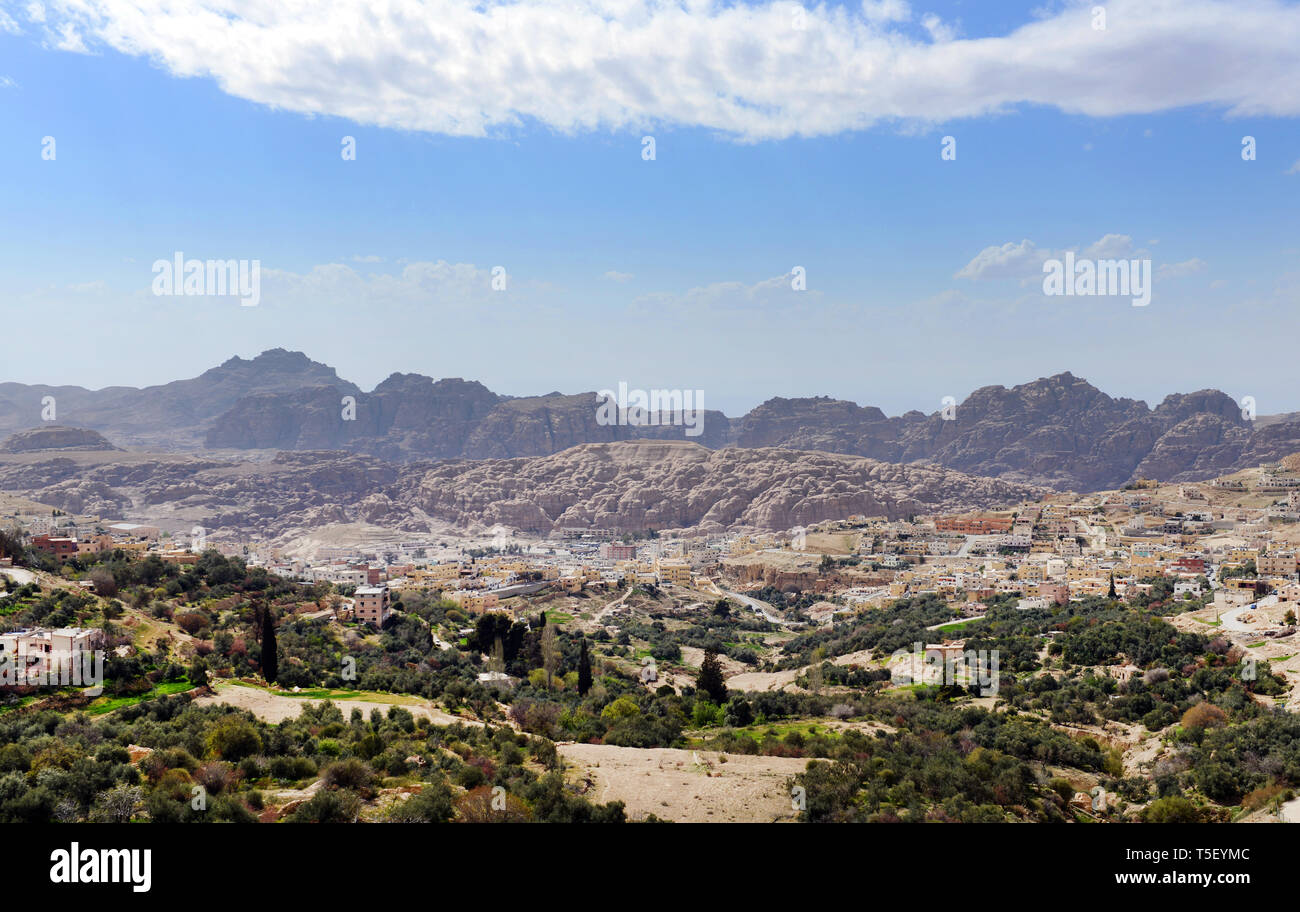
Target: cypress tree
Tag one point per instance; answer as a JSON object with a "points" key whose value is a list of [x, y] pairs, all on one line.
{"points": [[710, 679], [270, 660], [584, 670]]}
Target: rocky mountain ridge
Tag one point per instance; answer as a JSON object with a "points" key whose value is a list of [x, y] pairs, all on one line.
{"points": [[1058, 431], [629, 486]]}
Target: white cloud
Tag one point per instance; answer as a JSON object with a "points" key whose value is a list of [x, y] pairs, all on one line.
{"points": [[1110, 247], [441, 286], [1010, 261], [7, 83], [614, 276], [938, 29], [1178, 270], [474, 67], [7, 24], [1024, 261], [70, 39], [766, 296], [1294, 169]]}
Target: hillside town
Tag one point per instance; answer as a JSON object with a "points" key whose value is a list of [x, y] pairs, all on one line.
{"points": [[1232, 542]]}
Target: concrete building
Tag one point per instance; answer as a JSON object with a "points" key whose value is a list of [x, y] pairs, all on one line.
{"points": [[371, 605]]}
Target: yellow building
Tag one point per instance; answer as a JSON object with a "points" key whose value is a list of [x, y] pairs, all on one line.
{"points": [[678, 572], [474, 601]]}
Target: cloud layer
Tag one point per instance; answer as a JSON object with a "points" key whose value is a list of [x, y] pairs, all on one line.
{"points": [[750, 71]]}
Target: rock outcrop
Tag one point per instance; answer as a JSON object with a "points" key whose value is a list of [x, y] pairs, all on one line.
{"points": [[54, 437], [630, 486]]}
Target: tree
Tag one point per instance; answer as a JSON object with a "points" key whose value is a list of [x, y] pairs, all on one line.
{"points": [[710, 680], [550, 653], [270, 658], [1204, 715], [815, 675], [584, 670], [1174, 809], [118, 804], [1110, 593], [497, 661], [104, 583]]}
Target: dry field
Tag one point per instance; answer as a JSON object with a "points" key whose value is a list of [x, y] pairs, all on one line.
{"points": [[683, 785], [273, 708]]}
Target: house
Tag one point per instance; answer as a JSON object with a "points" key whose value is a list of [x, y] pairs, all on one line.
{"points": [[38, 655], [1277, 563], [474, 600], [370, 605], [497, 679], [62, 548]]}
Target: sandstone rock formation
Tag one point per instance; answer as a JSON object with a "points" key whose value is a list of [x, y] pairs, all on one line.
{"points": [[54, 437], [631, 486]]}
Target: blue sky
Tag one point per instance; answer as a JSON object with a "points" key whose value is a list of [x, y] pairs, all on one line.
{"points": [[923, 275]]}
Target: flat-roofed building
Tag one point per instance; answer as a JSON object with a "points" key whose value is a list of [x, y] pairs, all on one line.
{"points": [[370, 605]]}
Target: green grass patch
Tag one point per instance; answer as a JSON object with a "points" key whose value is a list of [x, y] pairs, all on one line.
{"points": [[957, 625], [105, 704]]}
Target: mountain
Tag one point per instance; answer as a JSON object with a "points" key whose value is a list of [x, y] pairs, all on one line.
{"points": [[1058, 431], [54, 437], [630, 486], [671, 484], [170, 416]]}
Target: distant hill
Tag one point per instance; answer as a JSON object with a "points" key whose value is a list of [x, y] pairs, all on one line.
{"points": [[1059, 431], [54, 437], [173, 416]]}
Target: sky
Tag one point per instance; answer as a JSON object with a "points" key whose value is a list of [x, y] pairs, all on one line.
{"points": [[852, 199]]}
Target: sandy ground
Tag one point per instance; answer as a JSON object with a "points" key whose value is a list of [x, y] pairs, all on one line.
{"points": [[686, 786], [693, 657], [19, 575], [273, 708], [764, 680], [1291, 811], [784, 680]]}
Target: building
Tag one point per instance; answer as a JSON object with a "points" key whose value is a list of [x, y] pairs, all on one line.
{"points": [[370, 605], [618, 552], [136, 531], [37, 654], [61, 548], [1277, 563], [973, 525], [475, 601], [678, 572]]}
